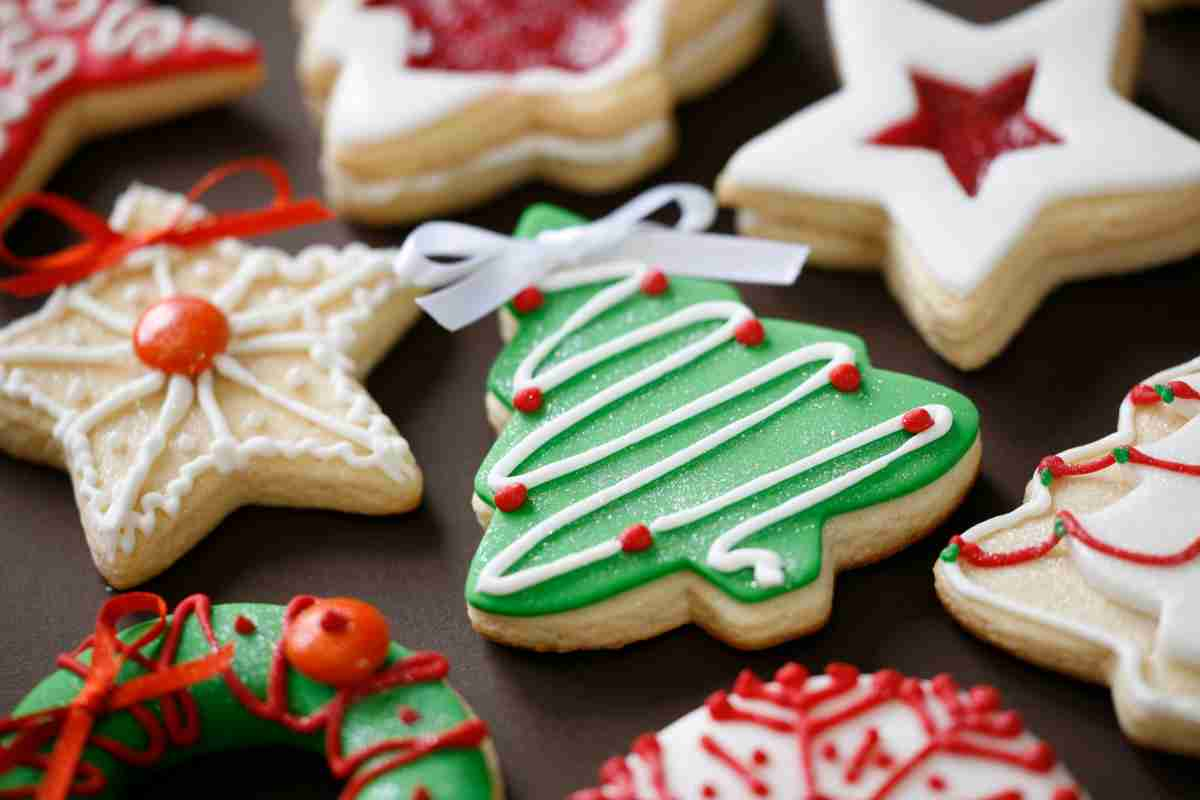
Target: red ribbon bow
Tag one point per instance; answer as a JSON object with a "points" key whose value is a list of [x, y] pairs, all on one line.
{"points": [[70, 726], [103, 248]]}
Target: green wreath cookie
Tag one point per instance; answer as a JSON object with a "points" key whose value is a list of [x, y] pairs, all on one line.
{"points": [[319, 675]]}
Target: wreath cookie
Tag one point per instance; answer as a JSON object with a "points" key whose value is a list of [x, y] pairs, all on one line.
{"points": [[1095, 574], [666, 456], [319, 675], [196, 374], [980, 166], [838, 736], [429, 107], [72, 71]]}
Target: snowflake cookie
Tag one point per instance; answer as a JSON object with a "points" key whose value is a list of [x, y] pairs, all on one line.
{"points": [[188, 382]]}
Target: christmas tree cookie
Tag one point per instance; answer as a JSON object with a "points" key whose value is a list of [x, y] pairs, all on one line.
{"points": [[669, 457], [197, 373], [842, 735], [320, 675], [1094, 575]]}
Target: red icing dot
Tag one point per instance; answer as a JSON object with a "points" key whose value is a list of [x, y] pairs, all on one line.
{"points": [[884, 761], [709, 790], [529, 300], [1042, 756], [244, 626], [513, 35], [421, 793], [1065, 793], [181, 335], [917, 420], [750, 333], [760, 757], [408, 715], [511, 497], [338, 641], [636, 538], [829, 751], [970, 128], [1143, 395], [655, 282], [528, 399], [845, 378], [937, 783]]}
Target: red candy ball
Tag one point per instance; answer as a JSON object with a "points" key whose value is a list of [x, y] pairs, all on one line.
{"points": [[511, 497], [917, 421], [528, 300], [655, 282], [528, 400], [181, 335], [846, 378], [337, 641], [750, 333], [636, 538]]}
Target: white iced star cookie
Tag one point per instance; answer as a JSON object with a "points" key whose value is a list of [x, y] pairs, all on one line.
{"points": [[1098, 573], [841, 735], [978, 166], [186, 383], [430, 107]]}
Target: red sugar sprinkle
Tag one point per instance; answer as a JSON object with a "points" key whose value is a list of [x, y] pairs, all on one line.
{"points": [[244, 626], [937, 783], [830, 751], [408, 715], [709, 790], [760, 757], [421, 793], [1065, 793]]}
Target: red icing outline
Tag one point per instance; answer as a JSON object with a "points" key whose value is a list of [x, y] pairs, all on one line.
{"points": [[180, 724], [94, 72]]}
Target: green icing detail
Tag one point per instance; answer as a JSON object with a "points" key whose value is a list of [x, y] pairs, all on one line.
{"points": [[774, 443], [950, 554], [226, 725], [1121, 454], [1060, 529], [1165, 392], [1047, 477]]}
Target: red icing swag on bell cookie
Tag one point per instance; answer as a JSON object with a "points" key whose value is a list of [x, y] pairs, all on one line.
{"points": [[333, 676]]}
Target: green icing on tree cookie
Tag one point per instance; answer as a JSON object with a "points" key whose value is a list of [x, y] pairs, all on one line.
{"points": [[586, 556], [460, 770]]}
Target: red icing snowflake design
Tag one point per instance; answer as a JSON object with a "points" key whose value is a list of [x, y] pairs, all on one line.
{"points": [[841, 736], [512, 35], [53, 52]]}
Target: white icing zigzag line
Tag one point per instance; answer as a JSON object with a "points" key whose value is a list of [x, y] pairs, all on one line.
{"points": [[767, 565], [115, 518], [1039, 501]]}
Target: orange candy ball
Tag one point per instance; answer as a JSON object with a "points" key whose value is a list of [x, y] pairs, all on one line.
{"points": [[338, 641], [181, 335]]}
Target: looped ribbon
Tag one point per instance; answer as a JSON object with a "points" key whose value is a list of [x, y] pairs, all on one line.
{"points": [[71, 725], [489, 269], [103, 248]]}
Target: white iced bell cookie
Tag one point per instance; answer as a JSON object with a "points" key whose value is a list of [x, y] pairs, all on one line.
{"points": [[841, 736], [979, 165], [185, 383]]}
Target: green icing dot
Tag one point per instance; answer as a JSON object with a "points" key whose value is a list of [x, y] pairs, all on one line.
{"points": [[950, 553], [1165, 392], [1060, 529], [1047, 477], [1121, 454]]}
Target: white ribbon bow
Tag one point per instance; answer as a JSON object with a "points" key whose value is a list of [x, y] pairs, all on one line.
{"points": [[490, 269]]}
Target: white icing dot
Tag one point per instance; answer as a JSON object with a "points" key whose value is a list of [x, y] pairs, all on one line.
{"points": [[203, 269], [255, 420], [186, 443], [76, 391], [133, 294], [312, 318], [277, 296], [128, 541], [296, 378], [73, 335], [115, 442]]}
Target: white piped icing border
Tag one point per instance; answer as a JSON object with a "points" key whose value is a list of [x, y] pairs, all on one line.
{"points": [[1039, 502]]}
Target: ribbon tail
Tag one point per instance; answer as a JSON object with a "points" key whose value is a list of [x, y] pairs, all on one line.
{"points": [[470, 300], [64, 760], [249, 224], [177, 678], [717, 257]]}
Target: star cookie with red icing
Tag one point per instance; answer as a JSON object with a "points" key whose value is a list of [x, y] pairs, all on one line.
{"points": [[184, 383], [429, 107], [838, 736], [979, 166], [74, 69]]}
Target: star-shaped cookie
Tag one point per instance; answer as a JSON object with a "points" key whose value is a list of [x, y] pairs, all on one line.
{"points": [[186, 383], [73, 70], [1098, 573], [430, 106], [980, 166]]}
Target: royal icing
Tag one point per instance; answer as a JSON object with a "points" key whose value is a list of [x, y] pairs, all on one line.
{"points": [[188, 378], [382, 52], [842, 736], [52, 53], [1141, 551], [878, 140], [576, 474], [401, 731]]}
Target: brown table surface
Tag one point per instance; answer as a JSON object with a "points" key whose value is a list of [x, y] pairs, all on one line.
{"points": [[556, 718]]}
